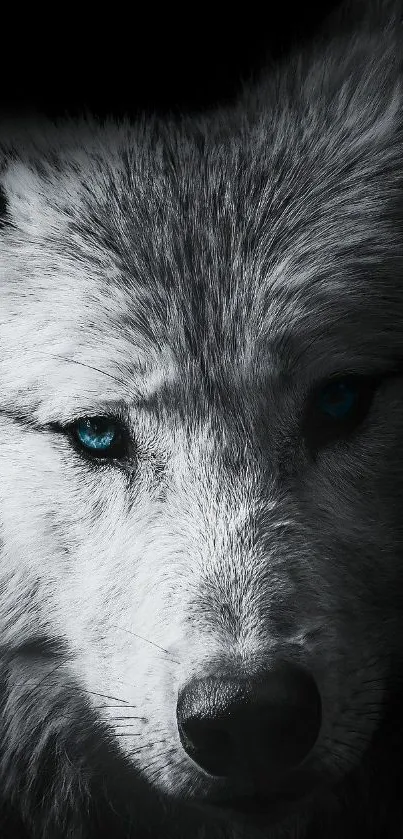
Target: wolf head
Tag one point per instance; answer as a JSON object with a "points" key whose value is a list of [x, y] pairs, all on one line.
{"points": [[200, 411]]}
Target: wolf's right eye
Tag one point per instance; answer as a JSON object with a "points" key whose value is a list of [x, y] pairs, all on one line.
{"points": [[100, 437]]}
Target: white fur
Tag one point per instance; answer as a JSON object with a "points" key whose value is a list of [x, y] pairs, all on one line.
{"points": [[217, 541]]}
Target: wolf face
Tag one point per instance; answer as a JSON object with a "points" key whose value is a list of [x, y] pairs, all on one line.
{"points": [[200, 478]]}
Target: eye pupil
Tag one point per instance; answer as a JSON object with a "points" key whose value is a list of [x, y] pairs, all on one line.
{"points": [[337, 400]]}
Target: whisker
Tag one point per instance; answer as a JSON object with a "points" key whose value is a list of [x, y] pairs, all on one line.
{"points": [[126, 734], [106, 696], [43, 680], [120, 382], [149, 745], [71, 688], [147, 641]]}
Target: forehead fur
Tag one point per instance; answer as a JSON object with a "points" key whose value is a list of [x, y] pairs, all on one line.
{"points": [[222, 236]]}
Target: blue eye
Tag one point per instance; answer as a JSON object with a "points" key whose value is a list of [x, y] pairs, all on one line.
{"points": [[337, 399], [337, 409], [99, 436]]}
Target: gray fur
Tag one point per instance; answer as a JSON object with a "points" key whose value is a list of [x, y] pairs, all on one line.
{"points": [[202, 276]]}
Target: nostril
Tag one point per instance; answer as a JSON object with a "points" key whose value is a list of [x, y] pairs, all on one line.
{"points": [[208, 744], [203, 714]]}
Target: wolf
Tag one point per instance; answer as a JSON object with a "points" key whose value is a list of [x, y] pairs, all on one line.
{"points": [[201, 475]]}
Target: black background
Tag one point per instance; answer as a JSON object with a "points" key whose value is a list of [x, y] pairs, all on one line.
{"points": [[122, 60]]}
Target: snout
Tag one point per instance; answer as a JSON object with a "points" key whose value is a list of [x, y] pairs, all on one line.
{"points": [[255, 730]]}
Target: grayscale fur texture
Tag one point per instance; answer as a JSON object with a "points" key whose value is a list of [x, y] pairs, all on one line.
{"points": [[199, 277]]}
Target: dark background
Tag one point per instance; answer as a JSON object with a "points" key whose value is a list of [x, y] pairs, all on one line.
{"points": [[120, 61]]}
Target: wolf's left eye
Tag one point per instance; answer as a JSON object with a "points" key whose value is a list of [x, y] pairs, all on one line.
{"points": [[338, 408], [338, 399], [99, 436]]}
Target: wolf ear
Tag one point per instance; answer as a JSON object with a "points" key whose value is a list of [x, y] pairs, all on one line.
{"points": [[23, 202], [6, 161], [20, 183], [4, 216]]}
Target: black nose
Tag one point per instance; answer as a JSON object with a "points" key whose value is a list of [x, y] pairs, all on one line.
{"points": [[255, 727]]}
